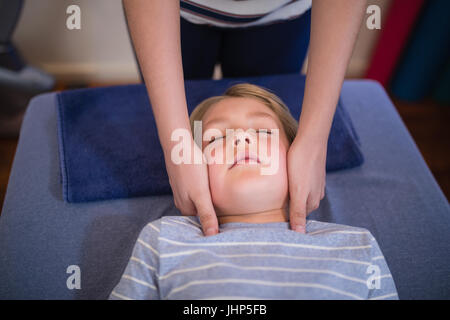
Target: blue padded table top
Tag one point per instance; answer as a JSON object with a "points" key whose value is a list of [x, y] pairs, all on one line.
{"points": [[393, 194]]}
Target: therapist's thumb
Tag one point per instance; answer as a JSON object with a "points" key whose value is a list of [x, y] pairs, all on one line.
{"points": [[207, 215], [297, 215]]}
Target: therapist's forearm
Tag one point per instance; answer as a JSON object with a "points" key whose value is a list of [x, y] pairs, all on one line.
{"points": [[155, 30], [334, 28]]}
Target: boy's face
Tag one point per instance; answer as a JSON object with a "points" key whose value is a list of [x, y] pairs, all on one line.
{"points": [[238, 187]]}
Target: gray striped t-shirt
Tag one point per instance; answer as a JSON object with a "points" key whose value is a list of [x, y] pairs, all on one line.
{"points": [[172, 259]]}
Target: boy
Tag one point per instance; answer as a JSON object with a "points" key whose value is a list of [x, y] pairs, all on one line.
{"points": [[255, 255]]}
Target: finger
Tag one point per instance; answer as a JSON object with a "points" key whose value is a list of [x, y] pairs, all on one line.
{"points": [[323, 193], [185, 206], [207, 215], [297, 214], [312, 203], [175, 202], [188, 208]]}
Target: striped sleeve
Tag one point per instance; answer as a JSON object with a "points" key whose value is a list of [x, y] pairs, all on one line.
{"points": [[379, 278], [140, 278]]}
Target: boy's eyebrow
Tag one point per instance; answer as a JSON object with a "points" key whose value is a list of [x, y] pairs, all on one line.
{"points": [[259, 114]]}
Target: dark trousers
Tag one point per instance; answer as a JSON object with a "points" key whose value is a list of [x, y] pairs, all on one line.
{"points": [[276, 48], [253, 51]]}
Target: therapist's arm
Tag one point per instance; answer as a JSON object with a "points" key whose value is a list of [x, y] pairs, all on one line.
{"points": [[334, 28], [155, 31]]}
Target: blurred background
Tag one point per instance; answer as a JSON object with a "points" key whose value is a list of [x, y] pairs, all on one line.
{"points": [[409, 55]]}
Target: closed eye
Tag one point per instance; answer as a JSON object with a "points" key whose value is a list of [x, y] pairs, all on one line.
{"points": [[214, 139], [267, 131]]}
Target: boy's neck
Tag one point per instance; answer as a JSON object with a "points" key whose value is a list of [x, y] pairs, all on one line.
{"points": [[274, 215]]}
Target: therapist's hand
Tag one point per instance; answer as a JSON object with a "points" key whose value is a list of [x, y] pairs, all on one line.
{"points": [[191, 193], [334, 29], [306, 161]]}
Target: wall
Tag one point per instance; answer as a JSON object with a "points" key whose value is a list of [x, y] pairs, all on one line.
{"points": [[101, 51]]}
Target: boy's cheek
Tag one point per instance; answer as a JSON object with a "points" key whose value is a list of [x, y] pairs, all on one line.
{"points": [[216, 182], [275, 151], [216, 154], [271, 145]]}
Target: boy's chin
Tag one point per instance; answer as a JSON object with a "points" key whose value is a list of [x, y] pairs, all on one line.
{"points": [[253, 170], [243, 175], [250, 182]]}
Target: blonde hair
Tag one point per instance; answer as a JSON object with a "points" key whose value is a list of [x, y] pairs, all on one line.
{"points": [[247, 90]]}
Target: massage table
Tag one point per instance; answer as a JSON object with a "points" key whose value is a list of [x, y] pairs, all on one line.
{"points": [[393, 194]]}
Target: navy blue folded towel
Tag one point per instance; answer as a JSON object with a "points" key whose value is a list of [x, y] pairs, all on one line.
{"points": [[109, 146]]}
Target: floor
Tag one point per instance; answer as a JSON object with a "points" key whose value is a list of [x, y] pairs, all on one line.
{"points": [[427, 122]]}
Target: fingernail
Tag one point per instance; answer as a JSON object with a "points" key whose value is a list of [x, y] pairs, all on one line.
{"points": [[210, 232], [300, 229]]}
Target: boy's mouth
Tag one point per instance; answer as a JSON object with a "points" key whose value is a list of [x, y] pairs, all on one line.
{"points": [[245, 158]]}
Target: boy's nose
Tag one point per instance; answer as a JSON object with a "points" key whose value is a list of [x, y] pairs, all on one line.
{"points": [[238, 140]]}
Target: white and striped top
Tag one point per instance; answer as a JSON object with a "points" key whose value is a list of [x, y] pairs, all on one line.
{"points": [[173, 260], [241, 13]]}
